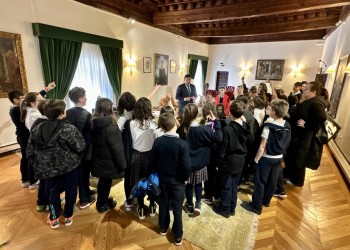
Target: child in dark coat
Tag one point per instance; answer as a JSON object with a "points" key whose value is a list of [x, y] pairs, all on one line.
{"points": [[171, 158], [55, 147], [233, 151]]}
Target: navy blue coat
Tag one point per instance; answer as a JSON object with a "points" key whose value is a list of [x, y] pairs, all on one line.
{"points": [[182, 93]]}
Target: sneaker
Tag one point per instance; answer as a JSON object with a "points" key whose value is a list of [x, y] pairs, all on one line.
{"points": [[41, 208], [101, 209], [178, 242], [153, 210], [232, 213], [197, 208], [92, 192], [141, 212], [208, 201], [128, 207], [86, 204], [281, 195], [53, 223], [266, 204], [163, 231], [249, 207], [111, 203], [25, 184], [221, 212], [34, 186], [189, 209], [68, 221]]}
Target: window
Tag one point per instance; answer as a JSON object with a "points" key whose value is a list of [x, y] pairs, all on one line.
{"points": [[198, 80], [91, 75]]}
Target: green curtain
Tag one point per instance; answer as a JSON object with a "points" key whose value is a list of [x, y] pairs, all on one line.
{"points": [[193, 67], [204, 70], [113, 59], [59, 59]]}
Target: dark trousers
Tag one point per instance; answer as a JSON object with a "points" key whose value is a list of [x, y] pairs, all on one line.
{"points": [[229, 187], [84, 181], [189, 193], [68, 183], [43, 193], [127, 186], [211, 185], [171, 192], [280, 184], [265, 181], [103, 189], [27, 170]]}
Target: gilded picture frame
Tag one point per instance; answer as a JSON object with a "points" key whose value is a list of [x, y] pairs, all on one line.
{"points": [[161, 65], [12, 70], [268, 69]]}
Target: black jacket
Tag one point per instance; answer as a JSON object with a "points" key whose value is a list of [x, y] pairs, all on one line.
{"points": [[54, 148], [233, 149], [170, 157], [108, 159], [200, 140]]}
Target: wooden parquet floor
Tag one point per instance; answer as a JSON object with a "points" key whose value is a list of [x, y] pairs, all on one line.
{"points": [[316, 216]]}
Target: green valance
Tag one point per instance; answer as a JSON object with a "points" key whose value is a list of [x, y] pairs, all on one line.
{"points": [[45, 30], [196, 57]]}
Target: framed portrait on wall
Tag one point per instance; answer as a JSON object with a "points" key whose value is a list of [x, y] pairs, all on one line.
{"points": [[147, 64], [338, 85], [322, 78], [269, 69], [161, 63], [12, 70], [172, 66]]}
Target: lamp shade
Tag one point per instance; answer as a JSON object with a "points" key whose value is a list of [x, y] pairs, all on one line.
{"points": [[330, 69]]}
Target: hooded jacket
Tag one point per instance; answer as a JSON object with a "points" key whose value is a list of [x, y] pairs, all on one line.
{"points": [[55, 148], [108, 159], [233, 149]]}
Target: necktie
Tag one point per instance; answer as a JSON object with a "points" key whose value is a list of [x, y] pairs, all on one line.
{"points": [[189, 89]]}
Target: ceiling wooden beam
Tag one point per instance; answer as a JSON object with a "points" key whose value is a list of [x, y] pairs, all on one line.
{"points": [[241, 9], [269, 28], [305, 35]]}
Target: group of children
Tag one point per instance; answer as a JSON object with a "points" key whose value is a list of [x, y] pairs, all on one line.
{"points": [[64, 147]]}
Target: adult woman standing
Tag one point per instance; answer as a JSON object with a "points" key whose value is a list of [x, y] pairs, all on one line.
{"points": [[305, 122]]}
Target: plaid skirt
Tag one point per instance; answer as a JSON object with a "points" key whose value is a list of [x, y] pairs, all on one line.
{"points": [[198, 176], [139, 165]]}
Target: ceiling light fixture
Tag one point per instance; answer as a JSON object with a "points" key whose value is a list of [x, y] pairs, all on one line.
{"points": [[131, 20], [324, 38], [338, 23]]}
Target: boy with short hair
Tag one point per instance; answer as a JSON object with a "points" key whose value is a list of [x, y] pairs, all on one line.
{"points": [[55, 148], [81, 118], [274, 143], [233, 151], [170, 157]]}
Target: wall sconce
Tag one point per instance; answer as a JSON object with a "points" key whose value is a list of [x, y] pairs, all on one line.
{"points": [[296, 70], [245, 69], [330, 69], [131, 20], [131, 66], [183, 69]]}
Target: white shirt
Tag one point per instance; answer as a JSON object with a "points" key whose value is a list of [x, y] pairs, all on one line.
{"points": [[265, 134], [259, 115], [142, 138], [121, 121], [31, 116]]}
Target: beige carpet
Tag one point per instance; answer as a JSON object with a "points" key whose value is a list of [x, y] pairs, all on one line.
{"points": [[209, 230]]}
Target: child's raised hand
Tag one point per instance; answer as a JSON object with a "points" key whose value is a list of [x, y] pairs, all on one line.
{"points": [[211, 116], [51, 85]]}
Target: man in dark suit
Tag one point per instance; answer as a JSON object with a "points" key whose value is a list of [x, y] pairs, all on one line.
{"points": [[186, 93]]}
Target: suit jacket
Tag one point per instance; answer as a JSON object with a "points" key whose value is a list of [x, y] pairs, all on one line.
{"points": [[182, 93], [225, 102]]}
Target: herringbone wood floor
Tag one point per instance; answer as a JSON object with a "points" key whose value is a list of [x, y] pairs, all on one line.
{"points": [[316, 216]]}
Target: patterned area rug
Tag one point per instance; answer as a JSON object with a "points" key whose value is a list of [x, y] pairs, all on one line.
{"points": [[209, 230]]}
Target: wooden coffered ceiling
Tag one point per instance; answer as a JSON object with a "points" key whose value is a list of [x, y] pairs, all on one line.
{"points": [[234, 21]]}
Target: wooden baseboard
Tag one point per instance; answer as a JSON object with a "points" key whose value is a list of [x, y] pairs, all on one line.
{"points": [[9, 148], [341, 161]]}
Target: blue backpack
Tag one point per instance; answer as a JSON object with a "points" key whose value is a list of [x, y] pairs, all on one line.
{"points": [[147, 186]]}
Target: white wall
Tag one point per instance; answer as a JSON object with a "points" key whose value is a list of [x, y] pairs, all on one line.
{"points": [[303, 53], [337, 46], [16, 16]]}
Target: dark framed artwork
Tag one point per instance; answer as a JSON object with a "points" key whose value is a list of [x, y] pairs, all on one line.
{"points": [[12, 70], [147, 64], [322, 78], [161, 63], [269, 70], [338, 85], [172, 66]]}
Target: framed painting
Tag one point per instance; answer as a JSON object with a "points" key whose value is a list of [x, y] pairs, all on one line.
{"points": [[172, 66], [161, 63], [269, 70], [12, 70], [322, 78], [147, 64], [338, 85]]}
